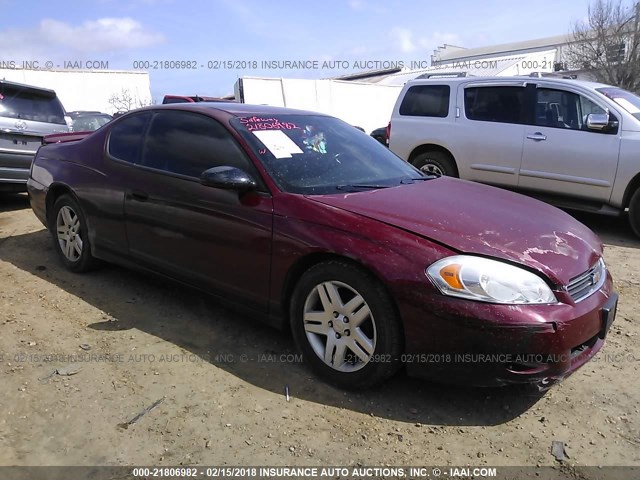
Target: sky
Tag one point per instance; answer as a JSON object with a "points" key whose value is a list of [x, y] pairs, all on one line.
{"points": [[228, 39]]}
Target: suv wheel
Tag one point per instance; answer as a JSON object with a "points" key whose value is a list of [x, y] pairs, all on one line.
{"points": [[634, 212], [435, 163]]}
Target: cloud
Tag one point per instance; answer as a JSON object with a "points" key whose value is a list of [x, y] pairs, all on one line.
{"points": [[407, 41], [92, 36], [357, 4], [404, 39]]}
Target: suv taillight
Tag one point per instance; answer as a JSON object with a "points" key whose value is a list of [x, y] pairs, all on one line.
{"points": [[388, 132]]}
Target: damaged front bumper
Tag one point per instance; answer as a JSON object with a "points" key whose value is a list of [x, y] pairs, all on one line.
{"points": [[494, 345]]}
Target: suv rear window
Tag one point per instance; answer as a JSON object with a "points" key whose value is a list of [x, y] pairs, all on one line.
{"points": [[30, 104], [494, 104], [426, 101]]}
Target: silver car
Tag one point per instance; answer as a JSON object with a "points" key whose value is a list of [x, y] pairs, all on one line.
{"points": [[27, 114], [573, 143]]}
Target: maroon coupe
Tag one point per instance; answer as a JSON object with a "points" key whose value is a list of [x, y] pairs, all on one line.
{"points": [[313, 225]]}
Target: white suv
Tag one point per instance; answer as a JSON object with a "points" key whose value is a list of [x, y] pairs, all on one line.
{"points": [[572, 143]]}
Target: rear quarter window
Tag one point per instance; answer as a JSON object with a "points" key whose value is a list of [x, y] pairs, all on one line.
{"points": [[426, 101], [125, 138], [495, 104]]}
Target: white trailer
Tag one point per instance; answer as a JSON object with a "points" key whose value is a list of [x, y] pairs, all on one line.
{"points": [[364, 105], [87, 89]]}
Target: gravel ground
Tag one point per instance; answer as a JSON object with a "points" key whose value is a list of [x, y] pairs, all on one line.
{"points": [[220, 378]]}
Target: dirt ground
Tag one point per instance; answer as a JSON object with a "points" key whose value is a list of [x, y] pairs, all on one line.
{"points": [[221, 380]]}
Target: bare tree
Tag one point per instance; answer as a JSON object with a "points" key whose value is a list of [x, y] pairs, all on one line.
{"points": [[124, 100], [607, 44]]}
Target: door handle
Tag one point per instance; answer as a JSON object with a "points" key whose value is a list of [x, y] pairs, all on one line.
{"points": [[139, 195], [538, 136]]}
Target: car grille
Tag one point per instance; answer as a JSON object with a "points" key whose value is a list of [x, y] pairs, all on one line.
{"points": [[583, 285]]}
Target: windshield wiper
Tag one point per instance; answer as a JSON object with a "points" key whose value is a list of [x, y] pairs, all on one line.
{"points": [[411, 180], [360, 185]]}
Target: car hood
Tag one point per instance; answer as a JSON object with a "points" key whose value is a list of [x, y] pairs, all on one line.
{"points": [[477, 219]]}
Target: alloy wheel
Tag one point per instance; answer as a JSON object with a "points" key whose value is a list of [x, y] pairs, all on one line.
{"points": [[68, 233], [339, 326], [432, 169]]}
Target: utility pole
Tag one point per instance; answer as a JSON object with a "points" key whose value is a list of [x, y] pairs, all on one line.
{"points": [[635, 48]]}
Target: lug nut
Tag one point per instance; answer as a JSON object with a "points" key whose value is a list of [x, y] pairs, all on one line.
{"points": [[335, 314], [347, 332], [345, 319], [330, 323], [337, 335]]}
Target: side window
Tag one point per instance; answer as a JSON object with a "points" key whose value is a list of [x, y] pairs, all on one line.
{"points": [[563, 109], [494, 104], [587, 107], [125, 139], [188, 144], [557, 109], [426, 101]]}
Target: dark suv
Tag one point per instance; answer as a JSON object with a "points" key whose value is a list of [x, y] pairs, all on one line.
{"points": [[26, 115]]}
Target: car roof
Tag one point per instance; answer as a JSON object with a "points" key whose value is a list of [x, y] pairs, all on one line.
{"points": [[522, 78], [23, 86], [80, 113], [235, 109]]}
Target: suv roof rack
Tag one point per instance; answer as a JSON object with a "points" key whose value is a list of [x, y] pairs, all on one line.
{"points": [[444, 75], [551, 74]]}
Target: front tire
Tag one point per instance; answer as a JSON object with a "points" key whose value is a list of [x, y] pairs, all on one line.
{"points": [[346, 326], [435, 163], [68, 228], [634, 212]]}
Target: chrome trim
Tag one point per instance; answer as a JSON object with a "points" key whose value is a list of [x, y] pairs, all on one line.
{"points": [[537, 136], [587, 283], [564, 178], [493, 168], [18, 150]]}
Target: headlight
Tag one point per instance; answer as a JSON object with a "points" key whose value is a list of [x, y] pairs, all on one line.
{"points": [[486, 280]]}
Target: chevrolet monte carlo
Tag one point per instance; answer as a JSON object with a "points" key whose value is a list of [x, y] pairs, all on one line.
{"points": [[312, 225]]}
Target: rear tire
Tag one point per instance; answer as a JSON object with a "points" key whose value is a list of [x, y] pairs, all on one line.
{"points": [[68, 227], [634, 212], [435, 163], [345, 325]]}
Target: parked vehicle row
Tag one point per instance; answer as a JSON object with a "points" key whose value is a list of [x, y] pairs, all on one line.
{"points": [[307, 223], [88, 121], [381, 135], [27, 115], [572, 143]]}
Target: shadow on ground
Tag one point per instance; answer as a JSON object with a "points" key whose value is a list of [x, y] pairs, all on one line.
{"points": [[199, 325], [13, 201]]}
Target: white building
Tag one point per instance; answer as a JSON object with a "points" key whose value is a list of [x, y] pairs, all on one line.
{"points": [[543, 55], [366, 99], [87, 89]]}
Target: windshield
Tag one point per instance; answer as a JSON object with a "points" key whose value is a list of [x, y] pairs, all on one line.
{"points": [[29, 104], [627, 100], [318, 155]]}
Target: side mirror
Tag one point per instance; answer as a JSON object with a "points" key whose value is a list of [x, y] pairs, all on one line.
{"points": [[229, 178], [597, 121]]}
